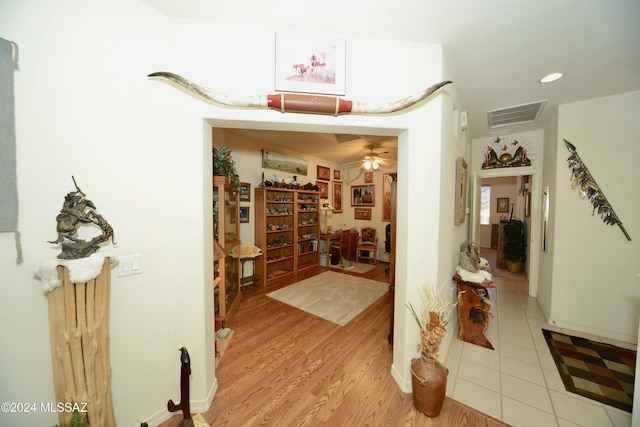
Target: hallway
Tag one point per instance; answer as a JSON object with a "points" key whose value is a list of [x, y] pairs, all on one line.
{"points": [[518, 381]]}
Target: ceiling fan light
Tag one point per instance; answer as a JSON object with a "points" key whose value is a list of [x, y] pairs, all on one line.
{"points": [[367, 165], [375, 166]]}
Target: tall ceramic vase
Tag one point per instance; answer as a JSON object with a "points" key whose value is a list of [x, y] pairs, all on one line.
{"points": [[429, 380]]}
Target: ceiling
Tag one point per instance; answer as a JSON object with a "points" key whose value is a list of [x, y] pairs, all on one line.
{"points": [[496, 50]]}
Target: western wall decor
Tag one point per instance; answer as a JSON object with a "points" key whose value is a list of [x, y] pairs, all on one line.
{"points": [[502, 205], [324, 173], [300, 103], [79, 211], [362, 213], [77, 284], [336, 174], [337, 197], [589, 188], [8, 163], [363, 195], [310, 64], [506, 159], [284, 163], [245, 192], [461, 191]]}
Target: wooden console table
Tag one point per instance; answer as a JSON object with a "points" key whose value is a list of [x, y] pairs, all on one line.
{"points": [[473, 311]]}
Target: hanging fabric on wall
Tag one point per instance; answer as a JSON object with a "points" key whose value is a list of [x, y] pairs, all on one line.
{"points": [[8, 175]]}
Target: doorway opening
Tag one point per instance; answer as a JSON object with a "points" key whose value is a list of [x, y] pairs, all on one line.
{"points": [[511, 194]]}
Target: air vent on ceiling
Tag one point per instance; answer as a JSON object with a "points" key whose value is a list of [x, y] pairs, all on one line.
{"points": [[515, 115]]}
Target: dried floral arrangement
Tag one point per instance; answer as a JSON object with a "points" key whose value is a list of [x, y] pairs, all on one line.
{"points": [[431, 319]]}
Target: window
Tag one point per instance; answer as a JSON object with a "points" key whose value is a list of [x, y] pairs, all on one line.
{"points": [[485, 205]]}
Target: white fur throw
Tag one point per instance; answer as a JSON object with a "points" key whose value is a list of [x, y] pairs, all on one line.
{"points": [[81, 270], [478, 277]]}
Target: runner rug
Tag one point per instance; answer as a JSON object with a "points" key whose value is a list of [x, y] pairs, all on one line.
{"points": [[333, 296], [599, 371]]}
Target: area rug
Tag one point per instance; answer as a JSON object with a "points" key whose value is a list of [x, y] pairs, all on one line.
{"points": [[356, 267], [333, 296], [599, 371]]}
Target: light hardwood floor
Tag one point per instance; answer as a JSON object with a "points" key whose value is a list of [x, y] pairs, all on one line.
{"points": [[285, 367]]}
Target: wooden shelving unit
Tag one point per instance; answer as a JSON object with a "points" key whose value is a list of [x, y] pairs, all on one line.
{"points": [[287, 230], [226, 221]]}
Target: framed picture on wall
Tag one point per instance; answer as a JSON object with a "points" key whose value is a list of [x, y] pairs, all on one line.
{"points": [[337, 196], [324, 189], [245, 192], [362, 213], [310, 64], [324, 173], [503, 205], [244, 214], [336, 174], [368, 177], [284, 163], [363, 195]]}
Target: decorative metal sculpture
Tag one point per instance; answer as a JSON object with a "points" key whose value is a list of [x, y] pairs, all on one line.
{"points": [[506, 159], [300, 103], [185, 371], [588, 187], [77, 211]]}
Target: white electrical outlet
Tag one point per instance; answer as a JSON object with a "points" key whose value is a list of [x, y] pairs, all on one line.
{"points": [[128, 265]]}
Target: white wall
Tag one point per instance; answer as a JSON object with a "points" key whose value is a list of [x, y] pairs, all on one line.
{"points": [[595, 283], [140, 149]]}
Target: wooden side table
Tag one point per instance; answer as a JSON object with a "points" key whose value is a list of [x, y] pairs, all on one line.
{"points": [[473, 311], [256, 277]]}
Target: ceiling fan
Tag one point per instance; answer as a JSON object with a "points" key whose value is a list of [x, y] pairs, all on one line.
{"points": [[371, 161]]}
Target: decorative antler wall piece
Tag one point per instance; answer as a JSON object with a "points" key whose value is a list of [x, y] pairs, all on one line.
{"points": [[300, 103], [588, 187]]}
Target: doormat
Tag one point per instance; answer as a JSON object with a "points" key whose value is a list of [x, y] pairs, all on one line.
{"points": [[599, 371]]}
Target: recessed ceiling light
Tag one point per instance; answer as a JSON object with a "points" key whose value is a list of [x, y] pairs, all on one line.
{"points": [[551, 77]]}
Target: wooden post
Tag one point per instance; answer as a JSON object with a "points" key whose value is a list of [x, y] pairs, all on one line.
{"points": [[79, 333]]}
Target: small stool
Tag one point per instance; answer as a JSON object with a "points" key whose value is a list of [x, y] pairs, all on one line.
{"points": [[257, 268]]}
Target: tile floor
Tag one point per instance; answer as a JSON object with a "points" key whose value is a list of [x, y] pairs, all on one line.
{"points": [[518, 382]]}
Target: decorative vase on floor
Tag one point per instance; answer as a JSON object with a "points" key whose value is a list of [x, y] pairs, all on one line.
{"points": [[428, 376], [429, 381]]}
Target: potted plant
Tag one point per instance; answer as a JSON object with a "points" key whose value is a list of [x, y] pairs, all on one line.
{"points": [[428, 375], [515, 247], [223, 165]]}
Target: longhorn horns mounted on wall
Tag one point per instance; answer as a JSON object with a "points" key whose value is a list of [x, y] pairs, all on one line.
{"points": [[300, 103]]}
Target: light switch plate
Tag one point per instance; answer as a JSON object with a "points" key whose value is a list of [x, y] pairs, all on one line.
{"points": [[128, 265]]}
